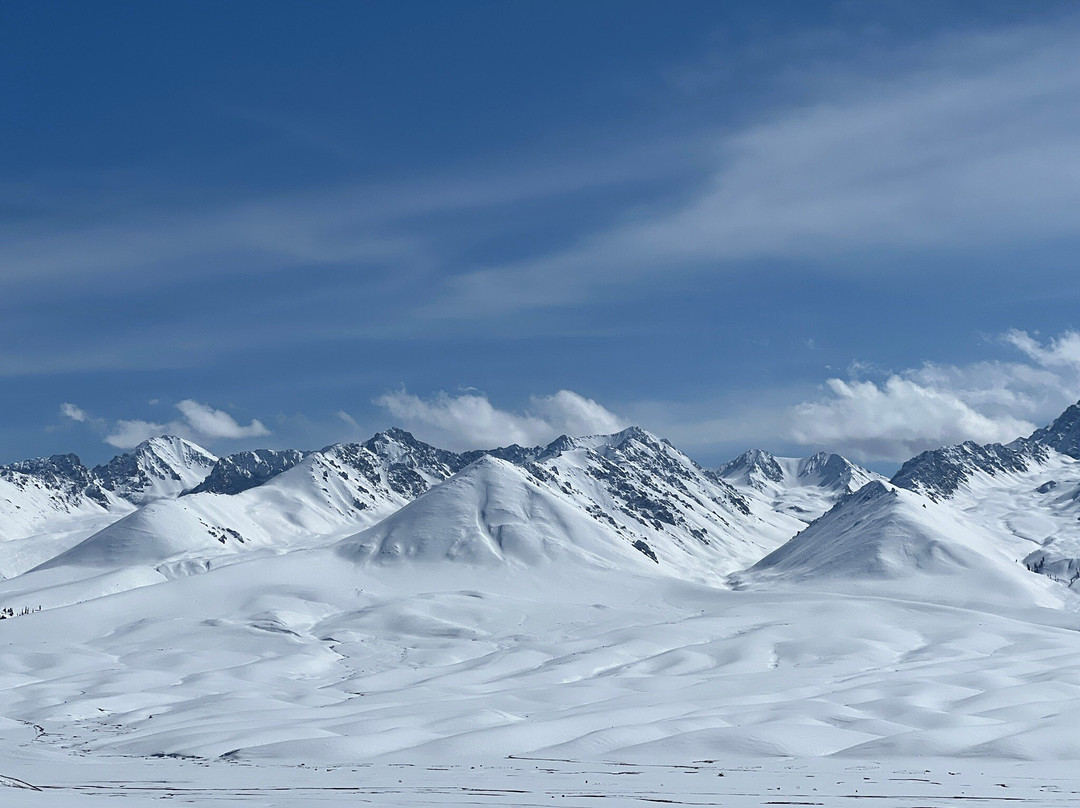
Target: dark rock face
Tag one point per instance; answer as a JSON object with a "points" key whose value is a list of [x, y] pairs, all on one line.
{"points": [[518, 455], [753, 466], [1062, 435], [243, 470], [400, 449], [63, 475], [939, 473]]}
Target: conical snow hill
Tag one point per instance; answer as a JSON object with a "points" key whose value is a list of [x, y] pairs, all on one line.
{"points": [[490, 513], [883, 534]]}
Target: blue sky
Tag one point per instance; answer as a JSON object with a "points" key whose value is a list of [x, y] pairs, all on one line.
{"points": [[798, 225]]}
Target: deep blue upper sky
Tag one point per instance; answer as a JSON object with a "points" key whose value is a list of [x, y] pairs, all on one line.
{"points": [[798, 225]]}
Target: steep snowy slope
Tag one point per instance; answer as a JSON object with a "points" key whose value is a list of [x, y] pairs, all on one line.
{"points": [[883, 534], [683, 514], [494, 512], [35, 492], [941, 473], [157, 468], [1063, 435], [802, 487], [330, 493], [632, 484], [48, 505], [1026, 495]]}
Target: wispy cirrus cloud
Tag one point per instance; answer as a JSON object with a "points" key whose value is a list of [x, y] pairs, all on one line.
{"points": [[968, 143]]}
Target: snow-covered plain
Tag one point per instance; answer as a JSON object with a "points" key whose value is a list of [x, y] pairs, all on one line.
{"points": [[497, 641]]}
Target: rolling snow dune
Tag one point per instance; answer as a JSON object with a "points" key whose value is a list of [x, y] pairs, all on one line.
{"points": [[305, 656]]}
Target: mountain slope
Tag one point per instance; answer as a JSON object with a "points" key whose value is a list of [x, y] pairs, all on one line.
{"points": [[494, 512], [1025, 495], [44, 493], [1063, 435], [684, 515], [803, 487], [940, 473], [157, 468], [328, 494], [884, 534], [243, 470]]}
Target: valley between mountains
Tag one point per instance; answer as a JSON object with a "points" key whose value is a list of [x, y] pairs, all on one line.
{"points": [[601, 598]]}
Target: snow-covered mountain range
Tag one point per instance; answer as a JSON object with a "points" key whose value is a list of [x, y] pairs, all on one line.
{"points": [[591, 596], [174, 505]]}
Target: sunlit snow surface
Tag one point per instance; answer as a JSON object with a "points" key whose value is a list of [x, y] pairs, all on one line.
{"points": [[310, 658], [492, 643]]}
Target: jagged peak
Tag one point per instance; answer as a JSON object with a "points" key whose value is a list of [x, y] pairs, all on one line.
{"points": [[162, 466], [63, 464], [939, 473], [614, 440], [875, 489], [165, 443], [826, 464], [1063, 434], [752, 458], [247, 469]]}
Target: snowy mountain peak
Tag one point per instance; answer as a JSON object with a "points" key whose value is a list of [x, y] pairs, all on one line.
{"points": [[159, 467], [834, 472], [882, 533], [762, 471], [753, 468], [397, 447], [493, 512], [602, 443], [1063, 434]]}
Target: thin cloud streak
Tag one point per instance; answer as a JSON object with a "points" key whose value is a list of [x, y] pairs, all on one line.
{"points": [[349, 224], [978, 149]]}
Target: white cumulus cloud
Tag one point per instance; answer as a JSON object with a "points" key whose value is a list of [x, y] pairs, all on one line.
{"points": [[69, 410], [937, 404], [469, 420], [207, 421], [198, 422], [127, 434]]}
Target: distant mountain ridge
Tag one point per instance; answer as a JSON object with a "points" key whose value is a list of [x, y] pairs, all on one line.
{"points": [[175, 506], [940, 473], [634, 486], [42, 491]]}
